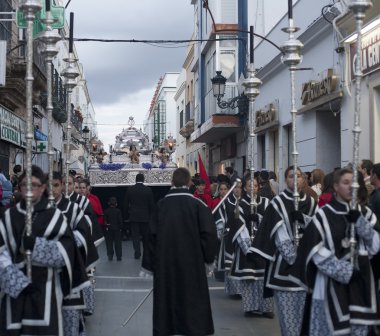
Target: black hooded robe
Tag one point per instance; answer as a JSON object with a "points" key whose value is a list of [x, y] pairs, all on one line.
{"points": [[184, 240], [57, 270]]}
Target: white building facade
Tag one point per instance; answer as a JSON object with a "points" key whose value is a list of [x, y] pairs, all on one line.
{"points": [[324, 93], [161, 122]]}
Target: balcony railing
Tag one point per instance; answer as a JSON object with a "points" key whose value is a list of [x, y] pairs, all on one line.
{"points": [[58, 98], [76, 120], [189, 112]]}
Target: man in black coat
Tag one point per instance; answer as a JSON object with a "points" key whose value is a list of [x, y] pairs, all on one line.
{"points": [[139, 205], [183, 239]]}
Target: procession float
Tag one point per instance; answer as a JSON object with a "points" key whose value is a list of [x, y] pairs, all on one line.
{"points": [[132, 153]]}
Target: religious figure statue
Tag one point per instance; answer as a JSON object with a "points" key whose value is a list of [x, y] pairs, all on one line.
{"points": [[134, 154], [162, 155]]}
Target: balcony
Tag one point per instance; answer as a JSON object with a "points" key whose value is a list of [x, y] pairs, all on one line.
{"points": [[76, 121], [74, 143], [58, 98], [216, 128]]}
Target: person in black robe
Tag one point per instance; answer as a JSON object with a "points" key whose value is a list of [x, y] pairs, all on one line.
{"points": [[73, 304], [184, 239], [250, 271], [97, 237], [220, 223], [344, 294], [275, 242], [232, 214], [138, 208], [34, 306], [86, 207], [113, 221]]}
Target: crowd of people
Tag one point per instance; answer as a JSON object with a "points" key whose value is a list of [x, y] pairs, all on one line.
{"points": [[64, 235], [321, 274], [316, 259]]}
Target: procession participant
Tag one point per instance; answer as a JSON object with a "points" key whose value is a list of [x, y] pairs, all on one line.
{"points": [[344, 295], [220, 220], [114, 221], [250, 271], [85, 190], [232, 203], [266, 189], [33, 307], [78, 222], [374, 199], [76, 186], [317, 177], [275, 242], [327, 190], [73, 304], [184, 239], [97, 237], [139, 206], [365, 168], [203, 193], [86, 207]]}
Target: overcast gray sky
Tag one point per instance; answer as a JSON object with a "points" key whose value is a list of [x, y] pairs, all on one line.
{"points": [[122, 77]]}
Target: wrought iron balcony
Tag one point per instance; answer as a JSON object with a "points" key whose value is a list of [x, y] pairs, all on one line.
{"points": [[58, 98]]}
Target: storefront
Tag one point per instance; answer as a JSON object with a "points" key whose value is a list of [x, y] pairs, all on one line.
{"points": [[320, 117], [12, 139], [370, 88], [267, 135]]}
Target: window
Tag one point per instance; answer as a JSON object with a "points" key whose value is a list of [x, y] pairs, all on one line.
{"points": [[261, 159]]}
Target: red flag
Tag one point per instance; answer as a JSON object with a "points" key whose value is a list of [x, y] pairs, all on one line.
{"points": [[202, 172]]}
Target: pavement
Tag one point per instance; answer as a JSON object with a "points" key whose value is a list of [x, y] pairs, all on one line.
{"points": [[120, 289]]}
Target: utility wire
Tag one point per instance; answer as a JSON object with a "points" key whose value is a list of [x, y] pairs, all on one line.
{"points": [[152, 41]]}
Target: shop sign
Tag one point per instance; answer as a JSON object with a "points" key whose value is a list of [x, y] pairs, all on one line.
{"points": [[41, 146], [370, 52], [23, 132], [314, 90], [10, 126], [10, 135], [266, 117], [38, 135]]}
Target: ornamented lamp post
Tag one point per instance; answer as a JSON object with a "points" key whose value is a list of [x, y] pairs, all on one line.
{"points": [[252, 90], [70, 73], [291, 58], [30, 8], [86, 138], [358, 7], [50, 37]]}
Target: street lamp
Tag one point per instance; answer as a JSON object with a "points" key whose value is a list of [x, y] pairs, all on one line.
{"points": [[219, 88], [86, 138], [86, 133], [70, 73]]}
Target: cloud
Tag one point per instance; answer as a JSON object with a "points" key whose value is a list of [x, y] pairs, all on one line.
{"points": [[113, 70], [112, 118]]}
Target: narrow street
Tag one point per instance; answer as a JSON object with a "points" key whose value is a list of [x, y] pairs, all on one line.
{"points": [[119, 290]]}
